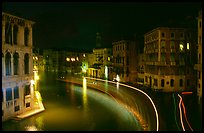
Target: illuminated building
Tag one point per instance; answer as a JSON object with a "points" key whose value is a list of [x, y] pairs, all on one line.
{"points": [[169, 59], [17, 66], [125, 60], [101, 66], [198, 66], [65, 61], [100, 61]]}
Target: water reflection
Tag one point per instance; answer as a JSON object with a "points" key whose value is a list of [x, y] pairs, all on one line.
{"points": [[85, 94], [72, 107]]}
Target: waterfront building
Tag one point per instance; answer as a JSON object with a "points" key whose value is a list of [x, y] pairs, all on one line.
{"points": [[17, 66], [169, 59], [198, 66]]}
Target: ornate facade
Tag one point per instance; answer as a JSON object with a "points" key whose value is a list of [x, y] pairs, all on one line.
{"points": [[17, 66]]}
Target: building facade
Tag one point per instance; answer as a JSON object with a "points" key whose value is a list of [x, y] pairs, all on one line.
{"points": [[198, 66], [125, 60], [169, 59], [64, 61], [101, 66], [17, 66]]}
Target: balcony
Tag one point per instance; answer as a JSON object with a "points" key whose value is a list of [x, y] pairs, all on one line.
{"points": [[198, 67]]}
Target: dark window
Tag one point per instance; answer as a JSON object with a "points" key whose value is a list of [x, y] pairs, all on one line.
{"points": [[155, 82], [163, 35], [181, 82], [26, 35], [162, 83], [27, 105], [17, 108], [8, 33], [8, 94], [15, 63], [8, 64], [15, 33], [16, 92], [27, 90], [26, 63], [171, 82]]}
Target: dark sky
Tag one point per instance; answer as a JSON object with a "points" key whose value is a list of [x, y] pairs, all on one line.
{"points": [[68, 24]]}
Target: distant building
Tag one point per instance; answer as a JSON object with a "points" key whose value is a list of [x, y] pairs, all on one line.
{"points": [[198, 66], [17, 66], [101, 66], [125, 60], [64, 61], [169, 59]]}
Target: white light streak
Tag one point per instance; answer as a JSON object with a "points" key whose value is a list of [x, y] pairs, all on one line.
{"points": [[156, 112]]}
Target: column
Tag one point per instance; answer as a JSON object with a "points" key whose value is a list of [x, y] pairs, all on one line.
{"points": [[30, 38], [3, 66], [21, 64], [12, 68], [20, 36], [3, 32], [12, 33], [12, 99]]}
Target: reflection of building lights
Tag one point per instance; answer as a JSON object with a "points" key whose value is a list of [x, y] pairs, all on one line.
{"points": [[117, 78], [106, 72]]}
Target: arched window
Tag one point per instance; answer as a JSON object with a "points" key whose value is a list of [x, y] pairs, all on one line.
{"points": [[8, 64], [8, 33], [26, 63], [16, 63], [181, 82], [162, 83], [15, 33], [171, 82], [16, 92], [3, 64], [26, 35]]}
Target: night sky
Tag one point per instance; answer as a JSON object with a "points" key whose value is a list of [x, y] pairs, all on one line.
{"points": [[75, 25]]}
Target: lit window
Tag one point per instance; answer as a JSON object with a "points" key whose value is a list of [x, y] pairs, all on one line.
{"points": [[181, 47], [68, 59], [72, 59], [188, 46], [108, 58], [84, 55], [77, 58]]}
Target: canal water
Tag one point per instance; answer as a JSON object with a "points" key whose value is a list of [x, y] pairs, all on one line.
{"points": [[70, 107]]}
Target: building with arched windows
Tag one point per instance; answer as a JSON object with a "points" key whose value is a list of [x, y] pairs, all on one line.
{"points": [[17, 66]]}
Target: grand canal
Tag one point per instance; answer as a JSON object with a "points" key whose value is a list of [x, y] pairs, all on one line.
{"points": [[70, 107]]}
